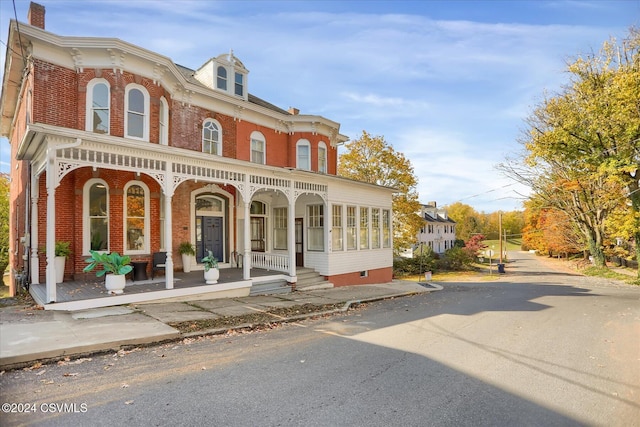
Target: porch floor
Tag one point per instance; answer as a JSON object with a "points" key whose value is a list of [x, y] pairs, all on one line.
{"points": [[91, 288]]}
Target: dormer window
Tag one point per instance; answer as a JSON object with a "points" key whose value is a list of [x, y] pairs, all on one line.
{"points": [[222, 78], [224, 73], [239, 86]]}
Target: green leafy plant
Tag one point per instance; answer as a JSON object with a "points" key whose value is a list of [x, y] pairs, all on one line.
{"points": [[186, 248], [63, 249], [111, 263], [210, 261]]}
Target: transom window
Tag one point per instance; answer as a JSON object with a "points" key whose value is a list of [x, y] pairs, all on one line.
{"points": [[137, 117], [211, 137], [258, 148], [98, 106]]}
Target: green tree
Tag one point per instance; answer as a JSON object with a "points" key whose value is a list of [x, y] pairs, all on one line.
{"points": [[4, 222], [583, 145], [371, 159]]}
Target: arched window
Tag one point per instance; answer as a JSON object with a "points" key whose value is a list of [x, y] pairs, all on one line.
{"points": [[136, 212], [98, 106], [221, 82], [258, 148], [136, 120], [322, 157], [95, 228], [303, 154], [163, 121], [211, 137]]}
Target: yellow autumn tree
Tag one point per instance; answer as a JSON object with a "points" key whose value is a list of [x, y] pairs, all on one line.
{"points": [[371, 159]]}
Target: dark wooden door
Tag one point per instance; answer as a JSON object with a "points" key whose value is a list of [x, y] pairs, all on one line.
{"points": [[299, 243]]}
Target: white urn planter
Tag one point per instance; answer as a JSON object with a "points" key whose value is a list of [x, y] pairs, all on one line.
{"points": [[115, 283], [60, 262], [186, 263], [211, 277]]}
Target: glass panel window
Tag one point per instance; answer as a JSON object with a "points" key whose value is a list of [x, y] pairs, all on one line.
{"points": [[98, 217], [364, 228], [257, 148], [322, 158], [386, 228], [239, 85], [100, 108], [315, 229], [136, 221], [163, 137], [336, 227], [280, 228], [211, 138], [135, 114], [351, 227], [221, 81], [375, 228], [303, 152]]}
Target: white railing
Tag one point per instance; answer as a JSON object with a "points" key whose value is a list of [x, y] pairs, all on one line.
{"points": [[268, 261]]}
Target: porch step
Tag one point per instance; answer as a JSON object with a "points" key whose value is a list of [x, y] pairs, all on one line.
{"points": [[309, 279], [270, 288]]}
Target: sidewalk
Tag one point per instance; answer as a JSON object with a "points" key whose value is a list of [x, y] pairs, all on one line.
{"points": [[28, 335]]}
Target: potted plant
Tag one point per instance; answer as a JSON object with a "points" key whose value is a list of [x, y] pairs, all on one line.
{"points": [[211, 272], [187, 251], [62, 252], [113, 263]]}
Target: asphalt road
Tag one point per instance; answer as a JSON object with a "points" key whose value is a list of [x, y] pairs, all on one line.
{"points": [[537, 347]]}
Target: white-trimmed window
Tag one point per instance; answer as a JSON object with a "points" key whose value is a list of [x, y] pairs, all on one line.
{"points": [[221, 79], [258, 148], [280, 228], [322, 157], [375, 228], [95, 196], [386, 228], [303, 155], [136, 218], [136, 120], [163, 121], [211, 137], [336, 227], [98, 106], [315, 230], [239, 84], [364, 228], [352, 224]]}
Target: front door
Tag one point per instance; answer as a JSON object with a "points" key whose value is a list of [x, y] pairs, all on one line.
{"points": [[299, 243], [257, 234], [212, 237]]}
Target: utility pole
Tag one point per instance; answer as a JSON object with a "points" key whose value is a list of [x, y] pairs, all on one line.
{"points": [[500, 233]]}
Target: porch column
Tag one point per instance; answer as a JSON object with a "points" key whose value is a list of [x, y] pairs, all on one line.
{"points": [[246, 259], [51, 228], [168, 226], [34, 260], [291, 231]]}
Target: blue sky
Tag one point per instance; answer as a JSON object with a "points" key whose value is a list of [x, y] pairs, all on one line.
{"points": [[447, 83]]}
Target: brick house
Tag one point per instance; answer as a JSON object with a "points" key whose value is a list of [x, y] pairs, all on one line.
{"points": [[117, 148]]}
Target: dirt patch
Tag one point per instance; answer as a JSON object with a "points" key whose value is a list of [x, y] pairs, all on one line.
{"points": [[274, 315]]}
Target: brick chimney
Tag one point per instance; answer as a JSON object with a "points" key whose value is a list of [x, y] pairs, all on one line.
{"points": [[35, 16], [294, 111]]}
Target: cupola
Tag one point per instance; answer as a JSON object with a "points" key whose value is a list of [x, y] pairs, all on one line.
{"points": [[225, 73]]}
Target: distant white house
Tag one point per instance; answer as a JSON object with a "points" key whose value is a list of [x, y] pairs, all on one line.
{"points": [[439, 231]]}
